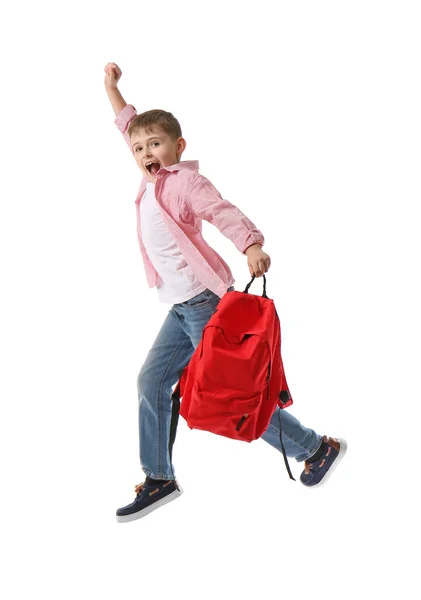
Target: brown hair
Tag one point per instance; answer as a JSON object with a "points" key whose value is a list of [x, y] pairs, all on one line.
{"points": [[156, 118]]}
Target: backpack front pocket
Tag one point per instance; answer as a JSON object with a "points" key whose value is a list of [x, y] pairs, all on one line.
{"points": [[233, 370], [219, 402]]}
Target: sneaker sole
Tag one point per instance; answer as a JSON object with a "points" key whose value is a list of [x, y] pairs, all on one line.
{"points": [[146, 511], [342, 451]]}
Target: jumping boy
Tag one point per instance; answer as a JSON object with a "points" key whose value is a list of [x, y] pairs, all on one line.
{"points": [[192, 277]]}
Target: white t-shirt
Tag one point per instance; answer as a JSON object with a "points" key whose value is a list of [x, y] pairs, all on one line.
{"points": [[176, 281]]}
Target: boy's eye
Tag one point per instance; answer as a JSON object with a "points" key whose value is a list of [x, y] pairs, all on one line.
{"points": [[140, 147]]}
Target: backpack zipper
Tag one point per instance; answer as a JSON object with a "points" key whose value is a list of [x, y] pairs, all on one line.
{"points": [[241, 421]]}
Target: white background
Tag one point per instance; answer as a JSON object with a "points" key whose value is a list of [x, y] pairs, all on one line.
{"points": [[305, 115]]}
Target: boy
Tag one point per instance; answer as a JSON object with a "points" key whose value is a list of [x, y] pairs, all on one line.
{"points": [[192, 277]]}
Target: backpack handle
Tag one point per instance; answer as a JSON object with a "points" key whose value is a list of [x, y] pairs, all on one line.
{"points": [[264, 285]]}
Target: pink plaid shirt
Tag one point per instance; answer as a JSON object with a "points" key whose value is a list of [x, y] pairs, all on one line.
{"points": [[186, 197]]}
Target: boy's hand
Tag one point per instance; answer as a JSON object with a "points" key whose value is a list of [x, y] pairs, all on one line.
{"points": [[113, 74], [258, 261]]}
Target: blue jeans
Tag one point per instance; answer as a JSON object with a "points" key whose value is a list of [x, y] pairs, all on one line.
{"points": [[171, 351]]}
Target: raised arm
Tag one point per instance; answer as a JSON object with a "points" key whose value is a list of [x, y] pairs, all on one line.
{"points": [[112, 76], [124, 112]]}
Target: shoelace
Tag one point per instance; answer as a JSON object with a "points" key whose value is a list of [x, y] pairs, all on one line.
{"points": [[138, 488], [308, 466]]}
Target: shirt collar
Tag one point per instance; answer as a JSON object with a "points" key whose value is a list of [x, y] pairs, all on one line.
{"points": [[184, 165]]}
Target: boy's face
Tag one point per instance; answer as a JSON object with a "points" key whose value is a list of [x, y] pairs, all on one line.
{"points": [[154, 150]]}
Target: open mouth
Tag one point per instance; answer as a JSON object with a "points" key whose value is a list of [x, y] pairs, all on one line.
{"points": [[153, 168]]}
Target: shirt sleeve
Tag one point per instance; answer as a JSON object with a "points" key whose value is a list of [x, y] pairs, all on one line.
{"points": [[122, 121], [206, 202]]}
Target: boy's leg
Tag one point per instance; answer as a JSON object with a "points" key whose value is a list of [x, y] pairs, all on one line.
{"points": [[171, 352]]}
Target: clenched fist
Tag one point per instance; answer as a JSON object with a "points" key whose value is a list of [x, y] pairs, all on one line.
{"points": [[113, 74]]}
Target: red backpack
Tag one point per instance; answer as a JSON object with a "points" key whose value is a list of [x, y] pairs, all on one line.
{"points": [[235, 377]]}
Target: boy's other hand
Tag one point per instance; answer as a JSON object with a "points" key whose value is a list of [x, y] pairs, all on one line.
{"points": [[257, 260], [112, 75]]}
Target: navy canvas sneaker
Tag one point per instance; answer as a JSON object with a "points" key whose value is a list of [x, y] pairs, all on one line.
{"points": [[148, 498], [317, 473]]}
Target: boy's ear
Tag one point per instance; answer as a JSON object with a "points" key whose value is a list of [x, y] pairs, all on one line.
{"points": [[181, 145]]}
